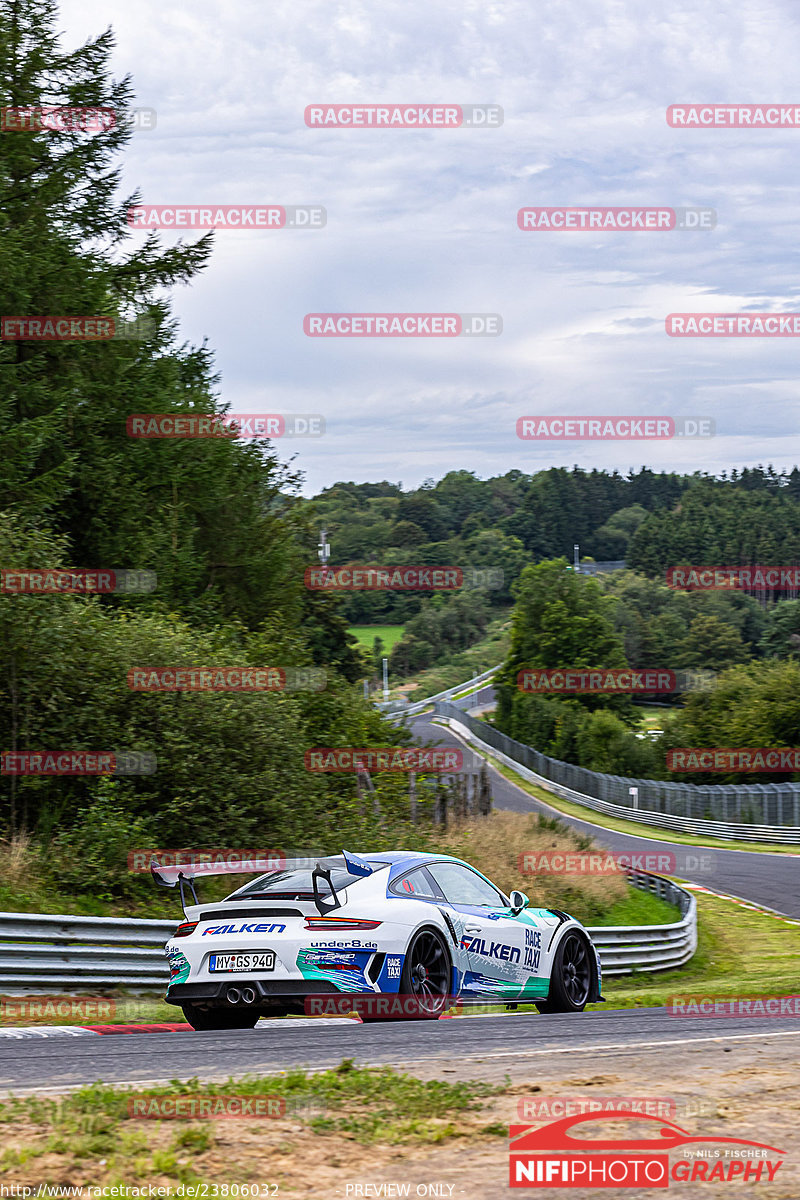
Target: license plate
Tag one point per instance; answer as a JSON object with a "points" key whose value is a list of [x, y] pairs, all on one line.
{"points": [[256, 960]]}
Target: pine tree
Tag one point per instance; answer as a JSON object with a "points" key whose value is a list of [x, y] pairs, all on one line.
{"points": [[63, 227]]}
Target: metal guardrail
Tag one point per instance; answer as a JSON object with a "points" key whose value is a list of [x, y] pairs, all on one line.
{"points": [[772, 810], [394, 709], [43, 953], [624, 949]]}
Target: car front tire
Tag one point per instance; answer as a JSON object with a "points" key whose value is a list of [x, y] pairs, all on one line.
{"points": [[571, 979]]}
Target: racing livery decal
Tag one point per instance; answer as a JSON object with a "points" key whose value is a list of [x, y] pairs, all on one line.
{"points": [[179, 965], [344, 968], [245, 927], [477, 945]]}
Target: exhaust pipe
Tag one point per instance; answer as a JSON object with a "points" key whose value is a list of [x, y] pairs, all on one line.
{"points": [[233, 995], [248, 995]]}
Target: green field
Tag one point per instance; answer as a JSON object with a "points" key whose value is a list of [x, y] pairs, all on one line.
{"points": [[366, 634]]}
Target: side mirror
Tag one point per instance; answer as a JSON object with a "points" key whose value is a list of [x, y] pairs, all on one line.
{"points": [[518, 901]]}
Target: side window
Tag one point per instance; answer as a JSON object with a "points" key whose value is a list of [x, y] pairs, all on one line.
{"points": [[463, 886], [416, 884]]}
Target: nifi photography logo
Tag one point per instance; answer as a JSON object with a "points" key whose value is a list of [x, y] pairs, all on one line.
{"points": [[564, 1154]]}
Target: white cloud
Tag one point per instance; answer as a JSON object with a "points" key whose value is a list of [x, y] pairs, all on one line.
{"points": [[426, 221]]}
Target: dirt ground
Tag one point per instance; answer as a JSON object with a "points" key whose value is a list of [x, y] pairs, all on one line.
{"points": [[748, 1089]]}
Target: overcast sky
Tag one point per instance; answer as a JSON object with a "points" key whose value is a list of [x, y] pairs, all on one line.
{"points": [[425, 221]]}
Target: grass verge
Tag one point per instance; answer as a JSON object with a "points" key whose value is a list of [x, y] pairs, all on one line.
{"points": [[366, 634], [93, 1136]]}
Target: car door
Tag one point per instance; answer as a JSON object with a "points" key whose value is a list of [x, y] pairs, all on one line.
{"points": [[494, 942]]}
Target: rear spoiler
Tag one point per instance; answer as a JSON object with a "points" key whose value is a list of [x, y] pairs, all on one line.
{"points": [[355, 866], [180, 874]]}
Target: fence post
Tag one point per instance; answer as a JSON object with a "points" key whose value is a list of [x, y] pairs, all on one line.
{"points": [[472, 793], [360, 795], [440, 803], [461, 797], [485, 794]]}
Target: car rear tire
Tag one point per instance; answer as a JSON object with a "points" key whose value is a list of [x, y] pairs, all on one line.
{"points": [[426, 974], [219, 1018], [571, 980], [426, 978]]}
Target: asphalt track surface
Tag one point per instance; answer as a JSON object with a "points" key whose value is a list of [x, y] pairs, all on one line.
{"points": [[771, 880], [573, 1040]]}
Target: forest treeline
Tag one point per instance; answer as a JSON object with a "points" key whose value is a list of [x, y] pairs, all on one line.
{"points": [[650, 521]]}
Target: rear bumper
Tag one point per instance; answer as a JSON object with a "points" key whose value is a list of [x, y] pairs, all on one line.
{"points": [[214, 993]]}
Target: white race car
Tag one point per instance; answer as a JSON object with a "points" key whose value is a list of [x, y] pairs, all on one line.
{"points": [[388, 934]]}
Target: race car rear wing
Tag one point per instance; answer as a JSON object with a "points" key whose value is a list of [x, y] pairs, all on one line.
{"points": [[181, 875]]}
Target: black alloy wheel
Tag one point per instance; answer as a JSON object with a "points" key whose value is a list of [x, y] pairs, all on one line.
{"points": [[571, 980]]}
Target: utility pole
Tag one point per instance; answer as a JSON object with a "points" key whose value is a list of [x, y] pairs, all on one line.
{"points": [[386, 679], [576, 558]]}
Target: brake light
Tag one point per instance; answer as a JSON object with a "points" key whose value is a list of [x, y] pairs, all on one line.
{"points": [[318, 923], [185, 929]]}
